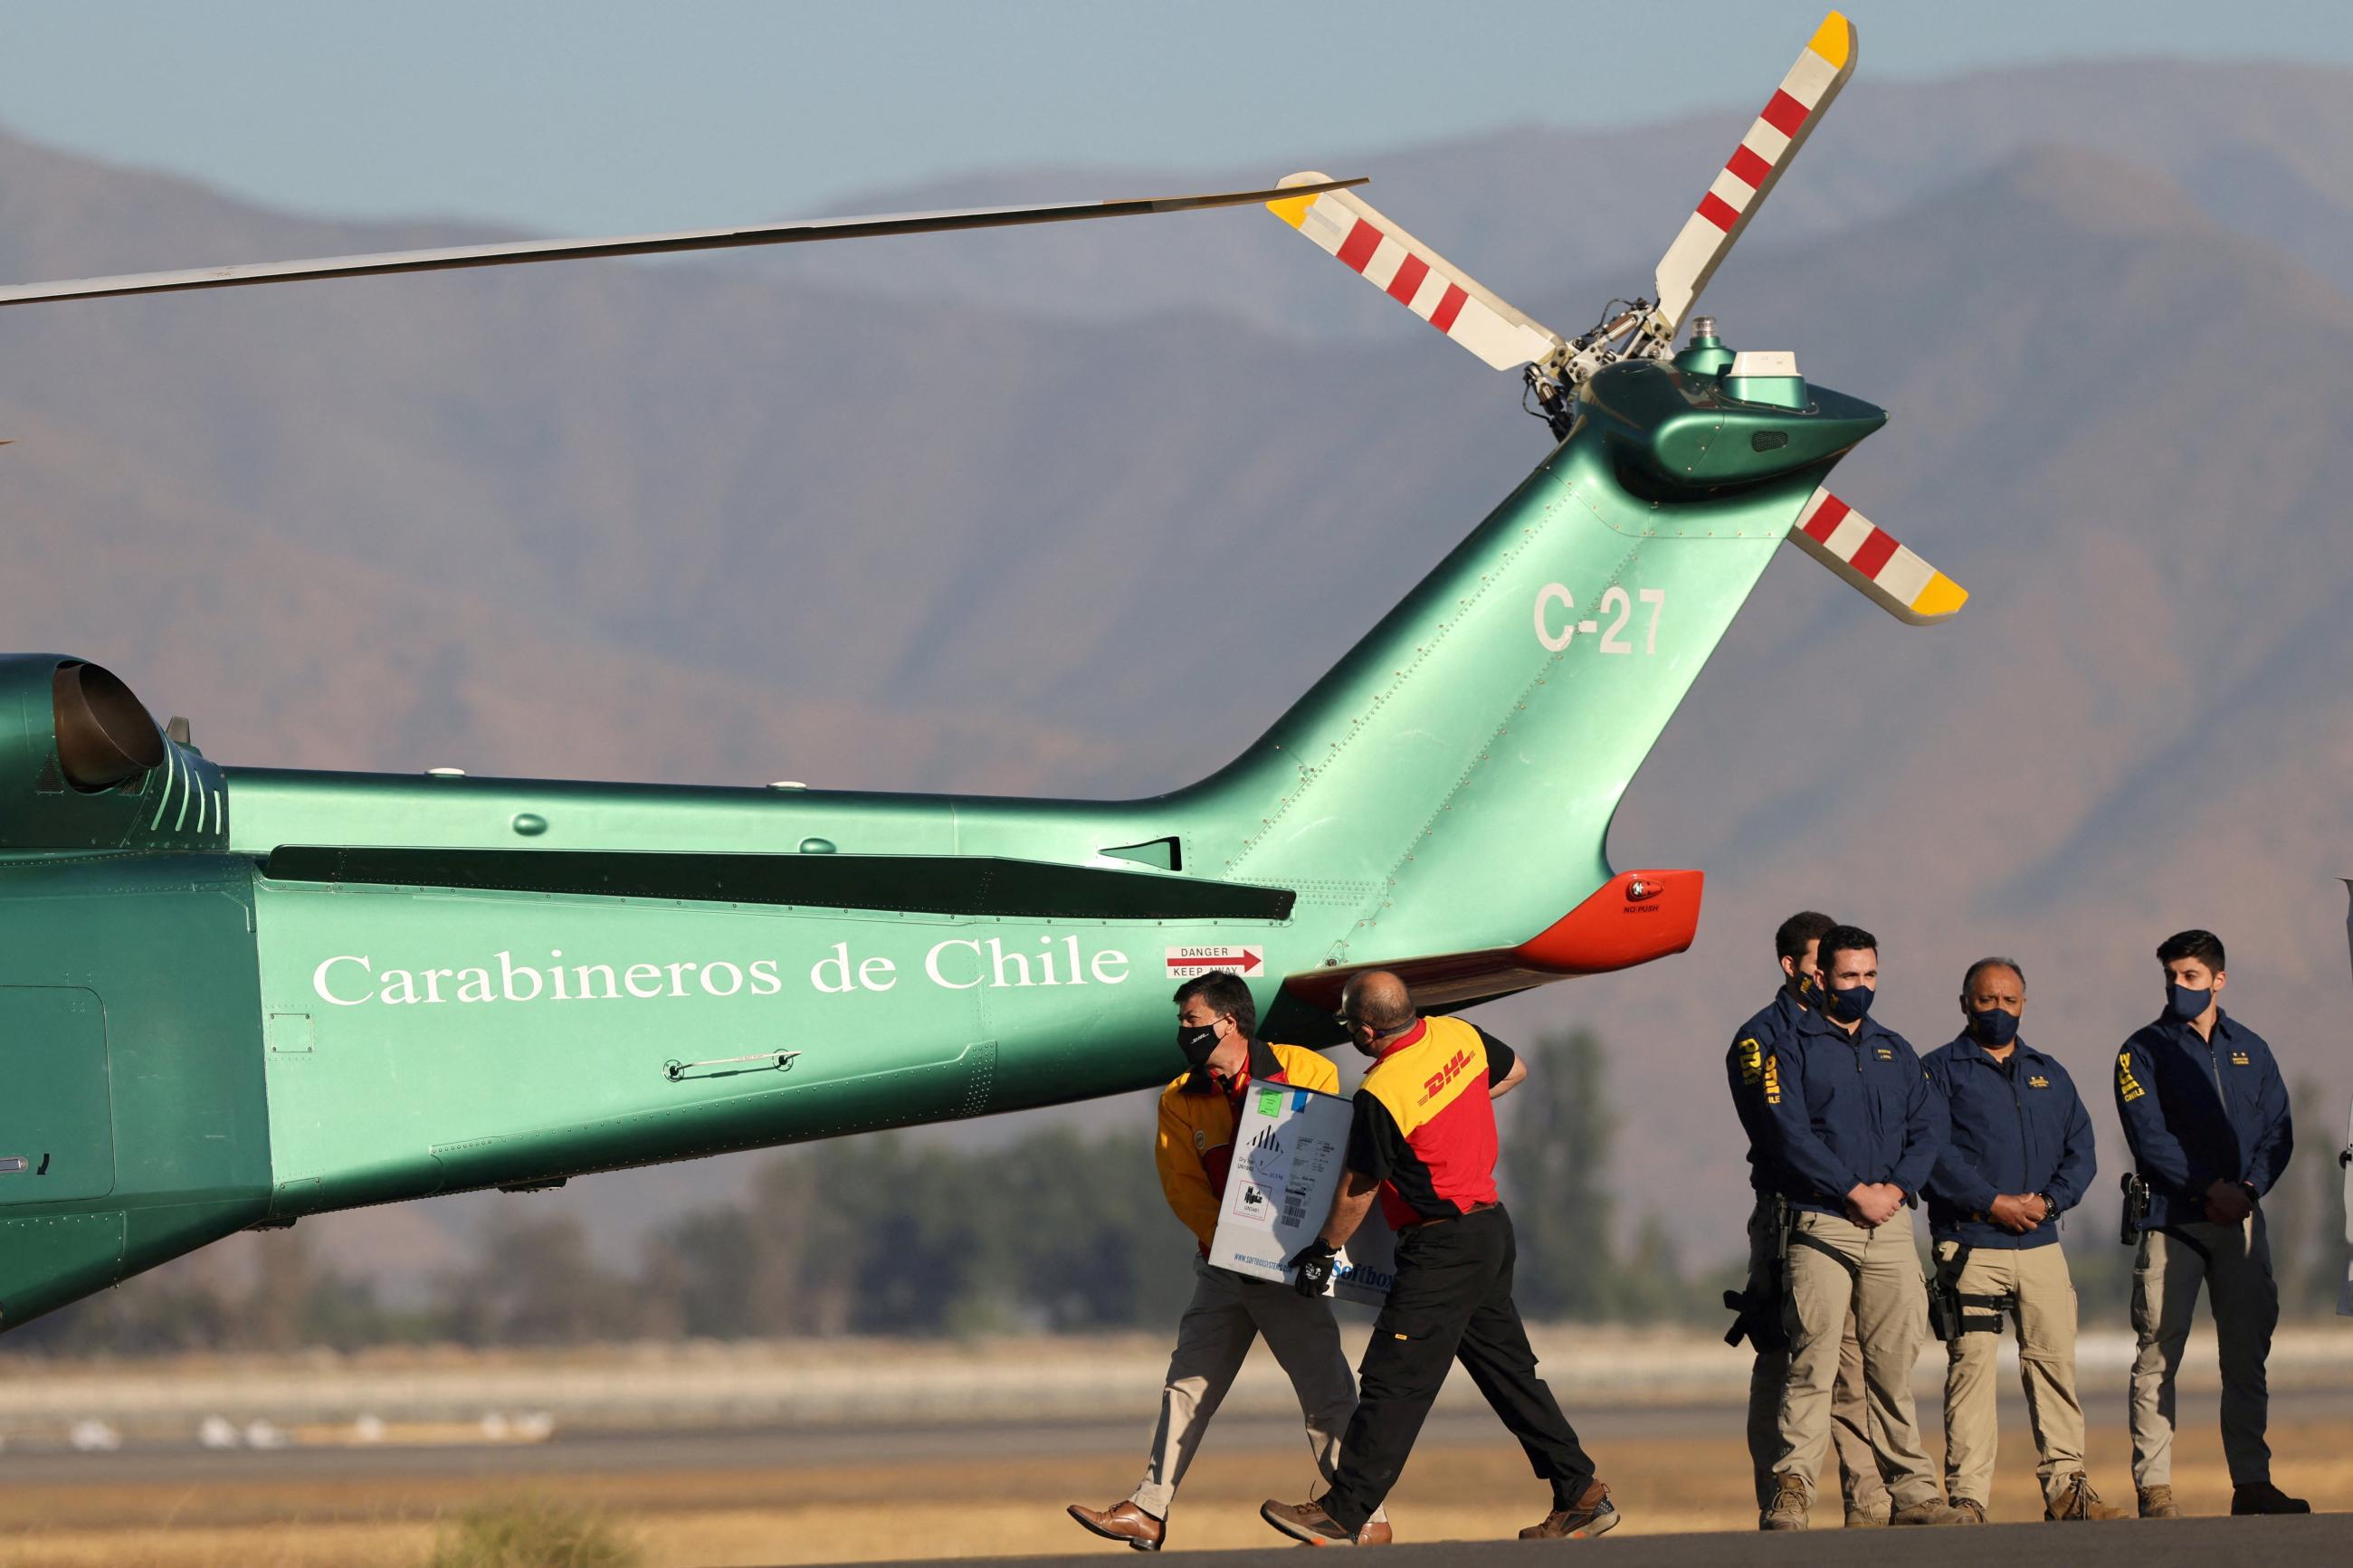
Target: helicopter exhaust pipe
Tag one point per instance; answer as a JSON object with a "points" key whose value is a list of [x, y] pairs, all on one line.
{"points": [[105, 734]]}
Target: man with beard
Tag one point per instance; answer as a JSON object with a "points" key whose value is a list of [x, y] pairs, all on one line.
{"points": [[1795, 947]]}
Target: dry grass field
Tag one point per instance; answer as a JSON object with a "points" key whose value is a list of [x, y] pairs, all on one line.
{"points": [[974, 1505]]}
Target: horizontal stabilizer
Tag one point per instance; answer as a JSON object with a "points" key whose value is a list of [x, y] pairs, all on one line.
{"points": [[1871, 559], [1413, 274]]}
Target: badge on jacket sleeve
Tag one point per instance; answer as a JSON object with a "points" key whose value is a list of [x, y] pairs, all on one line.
{"points": [[2129, 1087]]}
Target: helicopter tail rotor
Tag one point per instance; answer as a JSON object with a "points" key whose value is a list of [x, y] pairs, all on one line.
{"points": [[1381, 252]]}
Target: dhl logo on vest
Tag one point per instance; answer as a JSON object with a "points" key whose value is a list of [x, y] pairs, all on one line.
{"points": [[1435, 1084]]}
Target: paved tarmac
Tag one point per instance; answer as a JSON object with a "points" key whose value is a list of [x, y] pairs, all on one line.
{"points": [[2320, 1538], [791, 1449]]}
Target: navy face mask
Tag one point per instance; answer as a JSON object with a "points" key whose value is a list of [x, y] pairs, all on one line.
{"points": [[1197, 1044], [2185, 1003], [1851, 1006], [1996, 1026]]}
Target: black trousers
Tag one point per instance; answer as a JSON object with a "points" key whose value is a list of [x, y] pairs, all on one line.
{"points": [[1452, 1299]]}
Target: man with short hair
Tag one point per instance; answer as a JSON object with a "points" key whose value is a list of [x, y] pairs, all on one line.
{"points": [[1424, 1141], [2019, 1155], [1216, 1023], [1852, 1126], [2207, 1117], [1795, 945]]}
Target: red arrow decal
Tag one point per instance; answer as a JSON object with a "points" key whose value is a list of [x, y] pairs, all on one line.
{"points": [[1244, 959]]}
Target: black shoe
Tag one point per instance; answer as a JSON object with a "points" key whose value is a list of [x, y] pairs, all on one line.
{"points": [[2264, 1498]]}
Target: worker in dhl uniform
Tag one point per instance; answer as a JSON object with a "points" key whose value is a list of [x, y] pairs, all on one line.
{"points": [[1216, 1022], [1424, 1141]]}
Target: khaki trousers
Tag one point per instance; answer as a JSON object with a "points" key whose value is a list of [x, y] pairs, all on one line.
{"points": [[1228, 1314], [1859, 1479], [1836, 1268], [2045, 1321], [2235, 1263]]}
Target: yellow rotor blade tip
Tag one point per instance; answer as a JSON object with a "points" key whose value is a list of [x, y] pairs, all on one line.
{"points": [[1292, 210], [1834, 39], [1941, 598]]}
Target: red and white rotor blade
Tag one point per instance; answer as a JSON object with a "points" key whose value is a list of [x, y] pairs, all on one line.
{"points": [[1747, 177], [1415, 275], [1874, 562]]}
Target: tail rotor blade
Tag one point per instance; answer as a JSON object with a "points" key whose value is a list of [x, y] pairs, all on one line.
{"points": [[1383, 254], [1747, 177], [1874, 562], [631, 245]]}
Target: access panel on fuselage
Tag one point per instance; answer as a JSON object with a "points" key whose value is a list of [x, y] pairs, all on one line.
{"points": [[56, 1109]]}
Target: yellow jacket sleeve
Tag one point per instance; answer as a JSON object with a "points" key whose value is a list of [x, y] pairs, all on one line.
{"points": [[1182, 1179], [1308, 1070]]}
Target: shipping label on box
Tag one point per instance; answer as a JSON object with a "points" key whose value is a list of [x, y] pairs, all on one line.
{"points": [[1289, 1147]]}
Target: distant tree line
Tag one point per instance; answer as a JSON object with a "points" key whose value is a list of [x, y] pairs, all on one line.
{"points": [[1056, 1232]]}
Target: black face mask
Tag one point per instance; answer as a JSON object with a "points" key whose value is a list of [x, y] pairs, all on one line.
{"points": [[1994, 1026], [1852, 1006], [1197, 1044]]}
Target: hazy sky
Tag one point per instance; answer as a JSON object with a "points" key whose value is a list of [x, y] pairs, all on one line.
{"points": [[599, 115]]}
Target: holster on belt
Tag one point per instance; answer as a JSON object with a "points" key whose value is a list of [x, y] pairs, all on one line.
{"points": [[2135, 1213], [1953, 1312], [1759, 1308]]}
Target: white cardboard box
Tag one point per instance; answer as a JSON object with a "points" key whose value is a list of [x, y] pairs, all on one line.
{"points": [[1289, 1147]]}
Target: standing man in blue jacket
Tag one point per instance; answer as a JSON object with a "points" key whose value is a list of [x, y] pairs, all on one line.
{"points": [[1851, 1126], [2018, 1156], [2207, 1117], [1797, 945]]}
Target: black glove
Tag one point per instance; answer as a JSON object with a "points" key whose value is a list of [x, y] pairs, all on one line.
{"points": [[1315, 1265]]}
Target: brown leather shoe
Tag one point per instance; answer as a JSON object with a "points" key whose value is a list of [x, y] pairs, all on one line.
{"points": [[1377, 1533], [1307, 1521], [1594, 1515], [2156, 1502], [1971, 1510], [2078, 1500], [1123, 1522]]}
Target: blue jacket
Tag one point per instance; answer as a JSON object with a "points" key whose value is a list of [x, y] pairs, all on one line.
{"points": [[2194, 1115], [1842, 1111], [1744, 1071], [2016, 1127]]}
